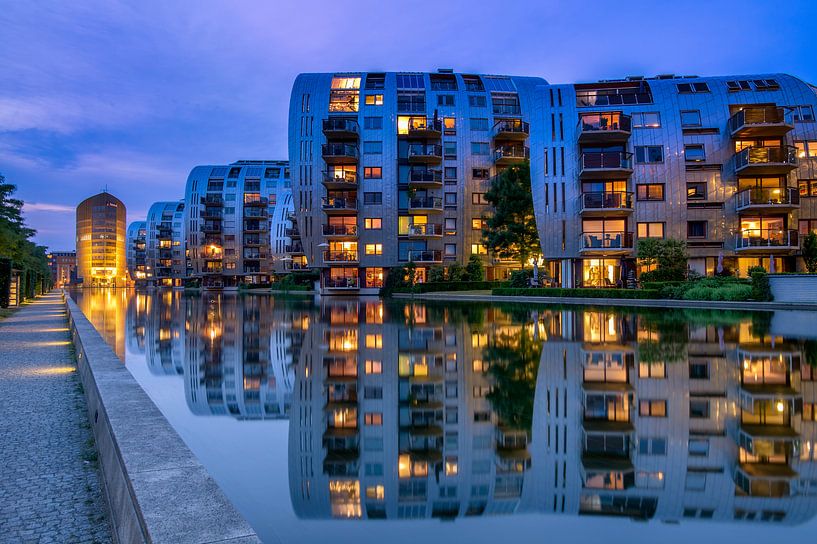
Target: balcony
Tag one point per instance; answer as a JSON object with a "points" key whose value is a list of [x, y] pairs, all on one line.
{"points": [[760, 121], [510, 154], [296, 249], [256, 226], [606, 243], [254, 240], [425, 178], [211, 228], [605, 165], [341, 128], [425, 204], [425, 153], [212, 213], [764, 479], [340, 231], [334, 205], [345, 283], [340, 257], [425, 128], [783, 199], [764, 241], [769, 440], [766, 160], [292, 232], [346, 181], [422, 256], [604, 128], [337, 153], [427, 230], [213, 200], [256, 202], [256, 213], [607, 204], [511, 129]]}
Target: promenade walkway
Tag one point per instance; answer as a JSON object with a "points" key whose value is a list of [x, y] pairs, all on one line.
{"points": [[50, 487]]}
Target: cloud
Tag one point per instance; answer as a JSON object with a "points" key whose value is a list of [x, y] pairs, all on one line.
{"points": [[46, 207]]}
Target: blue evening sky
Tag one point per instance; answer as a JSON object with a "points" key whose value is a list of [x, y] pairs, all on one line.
{"points": [[132, 94]]}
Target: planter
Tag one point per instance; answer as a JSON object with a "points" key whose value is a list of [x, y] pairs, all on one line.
{"points": [[794, 287]]}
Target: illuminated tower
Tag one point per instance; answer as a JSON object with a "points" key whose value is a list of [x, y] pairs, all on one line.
{"points": [[101, 241]]}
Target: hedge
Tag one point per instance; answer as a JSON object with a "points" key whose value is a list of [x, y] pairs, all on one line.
{"points": [[578, 293], [437, 286]]}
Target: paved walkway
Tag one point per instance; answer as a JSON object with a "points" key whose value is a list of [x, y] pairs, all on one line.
{"points": [[49, 482]]}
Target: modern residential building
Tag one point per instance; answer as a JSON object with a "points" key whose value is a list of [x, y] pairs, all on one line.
{"points": [[63, 265], [238, 225], [165, 262], [726, 164], [419, 411], [101, 261], [390, 168], [136, 252]]}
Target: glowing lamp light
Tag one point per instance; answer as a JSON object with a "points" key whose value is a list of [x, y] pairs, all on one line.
{"points": [[780, 406]]}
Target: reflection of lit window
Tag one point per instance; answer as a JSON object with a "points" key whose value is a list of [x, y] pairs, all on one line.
{"points": [[375, 492], [404, 466], [374, 341], [345, 498], [374, 419], [451, 466], [655, 370], [479, 340], [374, 367], [480, 366]]}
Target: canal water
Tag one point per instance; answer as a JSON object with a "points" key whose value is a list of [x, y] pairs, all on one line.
{"points": [[359, 420]]}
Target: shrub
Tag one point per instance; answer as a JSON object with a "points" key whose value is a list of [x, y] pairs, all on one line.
{"points": [[519, 279], [761, 290], [669, 255], [436, 273], [809, 250], [474, 270], [434, 287], [457, 272]]}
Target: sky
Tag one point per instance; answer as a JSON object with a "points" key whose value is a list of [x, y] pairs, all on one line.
{"points": [[131, 95]]}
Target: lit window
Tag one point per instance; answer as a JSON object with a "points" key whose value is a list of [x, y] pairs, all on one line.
{"points": [[652, 370], [650, 191], [478, 223], [375, 419], [372, 223], [374, 99], [373, 366], [696, 190], [650, 230], [374, 341], [478, 249], [375, 492], [478, 198], [374, 249], [652, 408], [372, 172]]}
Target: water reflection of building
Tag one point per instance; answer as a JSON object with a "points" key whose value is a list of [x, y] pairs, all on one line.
{"points": [[416, 411], [107, 311], [238, 355], [137, 320], [165, 332]]}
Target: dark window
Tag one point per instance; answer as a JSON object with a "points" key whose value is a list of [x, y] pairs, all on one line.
{"points": [[696, 190], [480, 173], [699, 409], [690, 118], [375, 81], [698, 371], [374, 123], [450, 172], [373, 198], [650, 191], [687, 88], [477, 101], [445, 100], [694, 153], [646, 154], [696, 229]]}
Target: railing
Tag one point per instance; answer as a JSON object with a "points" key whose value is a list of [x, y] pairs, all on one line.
{"points": [[429, 202], [514, 126], [339, 150], [293, 232], [340, 124], [294, 248], [213, 200], [766, 238], [611, 97], [253, 240], [425, 150], [212, 213], [606, 160], [757, 116], [211, 227], [607, 200], [340, 230], [349, 282], [759, 156], [340, 256], [425, 255], [507, 109], [425, 176], [758, 196], [607, 240], [515, 152], [256, 225], [427, 229], [255, 201], [255, 212], [604, 122], [348, 177], [424, 124], [337, 203]]}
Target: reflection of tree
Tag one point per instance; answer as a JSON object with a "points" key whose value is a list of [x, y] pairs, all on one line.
{"points": [[667, 337], [513, 363], [810, 352]]}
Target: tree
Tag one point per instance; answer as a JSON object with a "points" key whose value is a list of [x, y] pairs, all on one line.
{"points": [[669, 256], [511, 230], [810, 252], [474, 270], [456, 272]]}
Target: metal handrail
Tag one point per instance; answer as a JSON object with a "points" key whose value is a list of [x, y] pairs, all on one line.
{"points": [[330, 202], [425, 176], [606, 200], [339, 150], [340, 256], [766, 196], [340, 230], [340, 124], [607, 240], [766, 238], [349, 176], [600, 122], [512, 125], [426, 202], [606, 159], [758, 115], [784, 154], [425, 255], [425, 150]]}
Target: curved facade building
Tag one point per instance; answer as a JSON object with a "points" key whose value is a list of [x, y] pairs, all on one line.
{"points": [[135, 251], [101, 259], [238, 223], [390, 168], [725, 164], [164, 244]]}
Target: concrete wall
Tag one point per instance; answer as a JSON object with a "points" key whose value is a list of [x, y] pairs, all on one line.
{"points": [[157, 490]]}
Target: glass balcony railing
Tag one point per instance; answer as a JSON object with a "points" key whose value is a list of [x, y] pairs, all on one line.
{"points": [[607, 240], [427, 229], [417, 175], [614, 200], [784, 157], [426, 203], [511, 153], [766, 238], [347, 282], [600, 124], [340, 256], [606, 160], [425, 256], [760, 120], [339, 151], [431, 151], [761, 197], [510, 128], [340, 179], [340, 230], [337, 203], [340, 125]]}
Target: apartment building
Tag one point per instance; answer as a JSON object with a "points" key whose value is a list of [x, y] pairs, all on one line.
{"points": [[405, 412], [136, 252], [63, 265], [390, 168], [726, 164], [164, 245], [238, 224]]}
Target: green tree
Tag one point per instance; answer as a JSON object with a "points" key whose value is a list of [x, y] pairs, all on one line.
{"points": [[474, 270], [436, 273], [511, 230], [809, 251], [668, 255], [456, 272]]}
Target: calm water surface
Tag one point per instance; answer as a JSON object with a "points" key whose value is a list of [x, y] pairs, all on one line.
{"points": [[357, 420]]}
